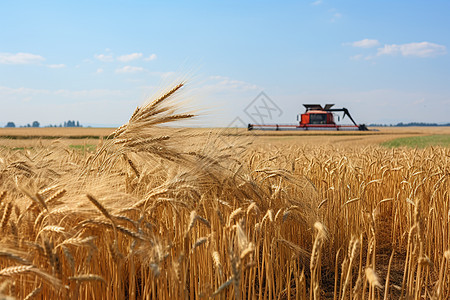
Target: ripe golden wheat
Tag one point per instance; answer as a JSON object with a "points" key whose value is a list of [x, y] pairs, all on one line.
{"points": [[169, 213]]}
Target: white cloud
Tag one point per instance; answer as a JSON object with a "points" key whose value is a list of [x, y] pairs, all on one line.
{"points": [[318, 2], [150, 57], [362, 57], [104, 58], [129, 69], [419, 101], [222, 83], [124, 58], [129, 57], [357, 57], [20, 58], [336, 16], [168, 74], [423, 49], [365, 43], [56, 66], [99, 71]]}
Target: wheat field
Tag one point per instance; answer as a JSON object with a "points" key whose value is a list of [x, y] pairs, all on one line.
{"points": [[154, 213]]}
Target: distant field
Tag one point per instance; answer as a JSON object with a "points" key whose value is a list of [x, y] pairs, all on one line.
{"points": [[57, 132], [386, 136], [420, 141], [362, 138], [20, 138]]}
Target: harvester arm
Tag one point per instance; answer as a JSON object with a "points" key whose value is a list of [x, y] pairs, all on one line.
{"points": [[346, 112]]}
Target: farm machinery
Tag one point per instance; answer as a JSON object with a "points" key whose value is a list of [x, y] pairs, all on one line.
{"points": [[315, 117]]}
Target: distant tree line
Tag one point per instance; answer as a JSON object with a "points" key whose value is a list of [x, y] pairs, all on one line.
{"points": [[69, 123], [420, 124]]}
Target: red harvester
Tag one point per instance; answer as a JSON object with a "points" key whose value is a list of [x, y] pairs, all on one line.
{"points": [[315, 117]]}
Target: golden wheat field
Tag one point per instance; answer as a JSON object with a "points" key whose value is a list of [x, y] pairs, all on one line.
{"points": [[158, 213]]}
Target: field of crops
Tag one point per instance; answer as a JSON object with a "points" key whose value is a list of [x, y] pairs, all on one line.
{"points": [[153, 213]]}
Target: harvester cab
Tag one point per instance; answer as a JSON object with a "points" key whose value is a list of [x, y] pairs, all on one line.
{"points": [[315, 114]]}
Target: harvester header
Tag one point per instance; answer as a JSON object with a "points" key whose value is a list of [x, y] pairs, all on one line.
{"points": [[315, 117]]}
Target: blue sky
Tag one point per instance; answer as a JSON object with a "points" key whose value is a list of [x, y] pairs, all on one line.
{"points": [[95, 61]]}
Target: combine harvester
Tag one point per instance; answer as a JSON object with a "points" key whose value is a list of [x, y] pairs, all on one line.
{"points": [[315, 117]]}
